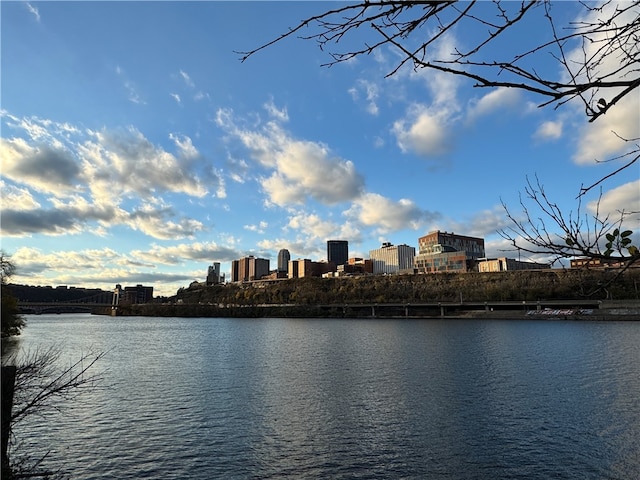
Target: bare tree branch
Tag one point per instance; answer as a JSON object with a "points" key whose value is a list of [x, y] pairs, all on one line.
{"points": [[610, 60], [599, 59], [579, 235], [42, 384]]}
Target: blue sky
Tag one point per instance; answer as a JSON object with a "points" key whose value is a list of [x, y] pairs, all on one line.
{"points": [[137, 148]]}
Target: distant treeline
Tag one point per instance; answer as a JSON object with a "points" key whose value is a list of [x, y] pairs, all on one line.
{"points": [[470, 287]]}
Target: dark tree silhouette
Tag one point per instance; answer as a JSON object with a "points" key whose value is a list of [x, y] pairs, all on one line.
{"points": [[12, 321], [547, 230], [41, 384], [605, 72], [599, 55]]}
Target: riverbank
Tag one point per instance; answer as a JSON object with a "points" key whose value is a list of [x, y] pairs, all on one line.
{"points": [[609, 311]]}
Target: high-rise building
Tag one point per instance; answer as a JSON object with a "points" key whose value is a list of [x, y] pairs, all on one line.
{"points": [[283, 260], [249, 268], [447, 252], [338, 251], [392, 258], [213, 274]]}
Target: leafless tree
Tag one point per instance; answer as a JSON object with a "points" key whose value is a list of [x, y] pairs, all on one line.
{"points": [[42, 385], [609, 46], [599, 55], [543, 228]]}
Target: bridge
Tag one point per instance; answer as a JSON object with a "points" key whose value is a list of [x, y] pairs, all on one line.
{"points": [[58, 307], [86, 304]]}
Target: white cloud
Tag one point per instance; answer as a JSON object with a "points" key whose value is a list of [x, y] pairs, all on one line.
{"points": [[606, 137], [549, 130], [200, 96], [207, 252], [371, 94], [625, 198], [296, 247], [312, 225], [154, 222], [496, 100], [33, 261], [78, 268], [66, 217], [132, 92], [18, 199], [187, 79], [600, 139], [33, 10], [260, 228], [44, 167], [443, 87], [424, 133], [386, 215], [307, 169], [186, 150], [482, 224], [299, 169], [134, 96], [124, 162], [278, 114], [427, 129], [176, 97], [88, 175]]}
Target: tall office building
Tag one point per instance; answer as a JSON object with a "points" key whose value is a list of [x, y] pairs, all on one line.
{"points": [[249, 268], [283, 260], [392, 258], [338, 251], [213, 274]]}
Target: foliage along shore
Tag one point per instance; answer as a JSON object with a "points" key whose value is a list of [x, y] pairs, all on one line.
{"points": [[338, 297], [611, 312]]}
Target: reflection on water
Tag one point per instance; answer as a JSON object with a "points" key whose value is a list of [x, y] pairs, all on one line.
{"points": [[278, 398]]}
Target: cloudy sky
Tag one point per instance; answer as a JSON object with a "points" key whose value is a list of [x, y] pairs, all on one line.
{"points": [[137, 148]]}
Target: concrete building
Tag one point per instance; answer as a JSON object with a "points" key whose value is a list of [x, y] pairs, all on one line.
{"points": [[447, 252], [213, 274], [283, 260], [137, 294], [304, 267], [361, 265], [504, 264], [292, 271], [337, 251], [392, 259], [249, 268], [355, 266]]}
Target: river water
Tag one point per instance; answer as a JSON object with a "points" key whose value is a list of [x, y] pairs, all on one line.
{"points": [[334, 398]]}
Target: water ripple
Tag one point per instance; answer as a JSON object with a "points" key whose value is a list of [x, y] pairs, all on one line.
{"points": [[276, 398]]}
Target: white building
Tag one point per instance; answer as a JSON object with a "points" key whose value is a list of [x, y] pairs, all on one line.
{"points": [[392, 258]]}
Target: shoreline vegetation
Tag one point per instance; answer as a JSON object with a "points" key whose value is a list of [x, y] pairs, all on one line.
{"points": [[610, 311], [575, 294]]}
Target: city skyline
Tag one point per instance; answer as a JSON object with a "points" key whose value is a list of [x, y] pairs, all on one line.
{"points": [[138, 149]]}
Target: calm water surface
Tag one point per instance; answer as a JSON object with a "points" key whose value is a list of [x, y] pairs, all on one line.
{"points": [[287, 398]]}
